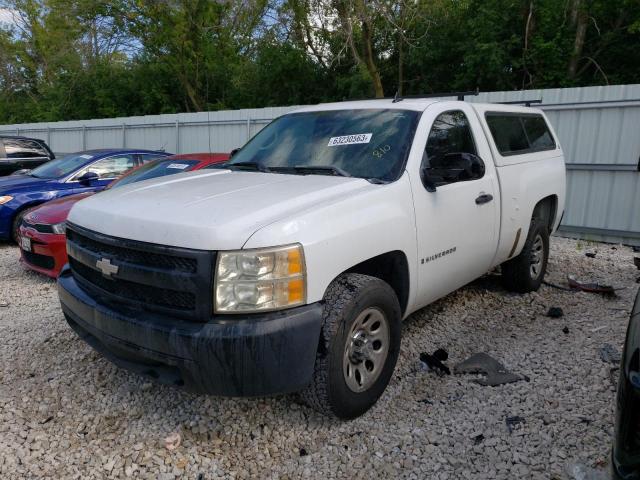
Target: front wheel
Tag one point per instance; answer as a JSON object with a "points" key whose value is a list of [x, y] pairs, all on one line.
{"points": [[359, 346], [525, 272]]}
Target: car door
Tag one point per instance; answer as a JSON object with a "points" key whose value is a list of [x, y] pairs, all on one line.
{"points": [[107, 169], [457, 223]]}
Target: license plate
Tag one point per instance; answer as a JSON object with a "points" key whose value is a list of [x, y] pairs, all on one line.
{"points": [[25, 243]]}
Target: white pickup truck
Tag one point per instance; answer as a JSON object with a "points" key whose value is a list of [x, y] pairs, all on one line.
{"points": [[292, 267]]}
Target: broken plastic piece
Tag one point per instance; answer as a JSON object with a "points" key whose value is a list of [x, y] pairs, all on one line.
{"points": [[513, 422], [434, 361], [496, 373], [555, 312]]}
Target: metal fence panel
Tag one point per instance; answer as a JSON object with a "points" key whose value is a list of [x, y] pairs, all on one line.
{"points": [[598, 128]]}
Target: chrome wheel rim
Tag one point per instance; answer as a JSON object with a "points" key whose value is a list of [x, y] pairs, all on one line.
{"points": [[366, 349], [537, 257]]}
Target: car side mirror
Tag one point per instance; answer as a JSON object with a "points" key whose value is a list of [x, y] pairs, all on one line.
{"points": [[87, 178], [452, 168]]}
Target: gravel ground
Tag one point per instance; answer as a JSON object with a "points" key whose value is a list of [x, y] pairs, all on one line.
{"points": [[65, 412]]}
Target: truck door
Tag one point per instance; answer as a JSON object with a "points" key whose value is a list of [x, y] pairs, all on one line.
{"points": [[457, 222]]}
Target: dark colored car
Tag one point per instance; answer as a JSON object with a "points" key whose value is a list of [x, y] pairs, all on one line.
{"points": [[42, 234], [626, 448], [22, 153], [80, 172]]}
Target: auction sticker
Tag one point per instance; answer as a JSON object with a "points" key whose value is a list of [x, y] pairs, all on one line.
{"points": [[350, 139], [179, 166]]}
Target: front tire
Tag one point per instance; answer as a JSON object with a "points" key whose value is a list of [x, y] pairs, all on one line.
{"points": [[359, 346], [525, 272]]}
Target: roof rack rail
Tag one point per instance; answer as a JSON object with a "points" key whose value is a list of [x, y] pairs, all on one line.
{"points": [[527, 103], [459, 95]]}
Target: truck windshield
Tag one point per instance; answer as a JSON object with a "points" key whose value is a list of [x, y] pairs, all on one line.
{"points": [[371, 144], [60, 167]]}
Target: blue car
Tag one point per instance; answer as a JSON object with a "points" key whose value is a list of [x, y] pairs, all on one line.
{"points": [[88, 171]]}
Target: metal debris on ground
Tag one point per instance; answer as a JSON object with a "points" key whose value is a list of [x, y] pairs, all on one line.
{"points": [[434, 362], [555, 312], [591, 287], [496, 373], [610, 354], [513, 422]]}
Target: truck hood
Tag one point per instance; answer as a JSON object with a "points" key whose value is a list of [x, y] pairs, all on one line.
{"points": [[209, 210]]}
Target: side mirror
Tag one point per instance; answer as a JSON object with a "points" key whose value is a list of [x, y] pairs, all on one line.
{"points": [[87, 178], [233, 152], [22, 171], [452, 168]]}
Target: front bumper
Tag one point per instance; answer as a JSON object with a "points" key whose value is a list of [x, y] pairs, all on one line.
{"points": [[252, 355], [626, 447], [48, 252]]}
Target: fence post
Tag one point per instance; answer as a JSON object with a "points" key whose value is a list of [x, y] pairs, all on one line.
{"points": [[49, 136], [248, 129], [177, 135], [17, 132], [84, 137], [124, 135]]}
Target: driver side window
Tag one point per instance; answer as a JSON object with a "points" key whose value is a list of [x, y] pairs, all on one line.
{"points": [[109, 168], [449, 146]]}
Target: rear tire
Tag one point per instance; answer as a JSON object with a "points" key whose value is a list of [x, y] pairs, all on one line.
{"points": [[359, 346], [525, 272]]}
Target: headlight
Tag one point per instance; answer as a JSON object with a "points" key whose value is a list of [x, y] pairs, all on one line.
{"points": [[4, 199], [59, 228], [260, 280]]}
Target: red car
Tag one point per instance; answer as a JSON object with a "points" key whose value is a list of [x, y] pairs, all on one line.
{"points": [[42, 233]]}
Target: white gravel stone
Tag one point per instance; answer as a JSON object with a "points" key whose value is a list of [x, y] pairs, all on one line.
{"points": [[66, 412]]}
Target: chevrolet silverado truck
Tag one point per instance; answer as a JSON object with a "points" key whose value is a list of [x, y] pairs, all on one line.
{"points": [[291, 267]]}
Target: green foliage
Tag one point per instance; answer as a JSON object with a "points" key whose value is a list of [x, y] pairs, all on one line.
{"points": [[74, 59]]}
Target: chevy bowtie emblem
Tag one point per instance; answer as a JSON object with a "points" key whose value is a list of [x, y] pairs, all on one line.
{"points": [[106, 267]]}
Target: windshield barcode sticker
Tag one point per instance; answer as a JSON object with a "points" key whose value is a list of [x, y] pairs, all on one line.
{"points": [[350, 139], [180, 166]]}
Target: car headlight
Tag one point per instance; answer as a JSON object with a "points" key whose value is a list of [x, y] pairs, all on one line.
{"points": [[59, 228], [5, 198], [260, 280]]}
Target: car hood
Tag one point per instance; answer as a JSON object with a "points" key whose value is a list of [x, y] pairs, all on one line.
{"points": [[55, 211], [14, 183], [210, 210]]}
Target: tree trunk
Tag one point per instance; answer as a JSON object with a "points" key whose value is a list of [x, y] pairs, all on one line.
{"points": [[578, 18], [400, 63], [367, 42]]}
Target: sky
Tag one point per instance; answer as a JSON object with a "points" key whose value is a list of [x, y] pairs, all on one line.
{"points": [[6, 17]]}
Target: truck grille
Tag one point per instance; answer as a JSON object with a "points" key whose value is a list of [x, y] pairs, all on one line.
{"points": [[169, 280]]}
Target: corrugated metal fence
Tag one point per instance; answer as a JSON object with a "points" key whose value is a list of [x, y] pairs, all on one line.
{"points": [[599, 129]]}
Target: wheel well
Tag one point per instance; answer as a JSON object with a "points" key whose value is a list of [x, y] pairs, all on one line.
{"points": [[546, 210], [392, 268], [22, 209]]}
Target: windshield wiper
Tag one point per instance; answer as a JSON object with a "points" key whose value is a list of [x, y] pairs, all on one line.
{"points": [[311, 169], [248, 166]]}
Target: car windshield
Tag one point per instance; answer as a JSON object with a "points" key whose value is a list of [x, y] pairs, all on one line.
{"points": [[61, 167], [371, 144], [154, 169]]}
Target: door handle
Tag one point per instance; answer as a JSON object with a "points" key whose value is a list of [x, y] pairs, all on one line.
{"points": [[484, 198]]}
